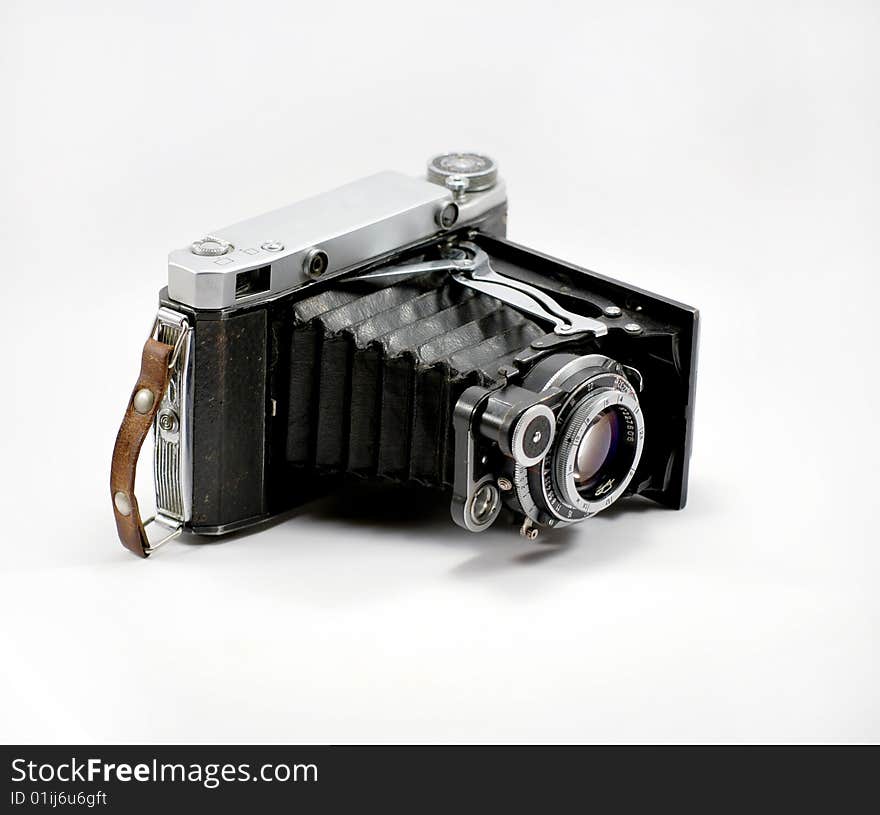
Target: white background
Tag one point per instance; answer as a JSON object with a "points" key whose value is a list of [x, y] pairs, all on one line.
{"points": [[725, 155]]}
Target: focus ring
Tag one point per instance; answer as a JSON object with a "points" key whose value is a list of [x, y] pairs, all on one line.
{"points": [[576, 429]]}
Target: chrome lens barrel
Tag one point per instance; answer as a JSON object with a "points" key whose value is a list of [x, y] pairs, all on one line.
{"points": [[598, 444], [599, 450]]}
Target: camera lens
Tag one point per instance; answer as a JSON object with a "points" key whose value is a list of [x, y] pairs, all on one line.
{"points": [[598, 446], [599, 449]]}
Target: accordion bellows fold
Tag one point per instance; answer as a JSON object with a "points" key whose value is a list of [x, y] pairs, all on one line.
{"points": [[376, 371]]}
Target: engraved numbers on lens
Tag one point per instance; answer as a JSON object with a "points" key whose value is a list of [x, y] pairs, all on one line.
{"points": [[599, 446]]}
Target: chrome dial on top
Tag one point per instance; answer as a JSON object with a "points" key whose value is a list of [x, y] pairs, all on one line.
{"points": [[480, 172]]}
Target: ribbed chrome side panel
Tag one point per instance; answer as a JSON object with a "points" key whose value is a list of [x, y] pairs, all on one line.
{"points": [[171, 459], [168, 496]]}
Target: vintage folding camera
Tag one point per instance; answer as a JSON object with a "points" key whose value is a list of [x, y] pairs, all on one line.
{"points": [[389, 330]]}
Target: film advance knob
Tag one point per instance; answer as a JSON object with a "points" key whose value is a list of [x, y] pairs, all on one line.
{"points": [[480, 171]]}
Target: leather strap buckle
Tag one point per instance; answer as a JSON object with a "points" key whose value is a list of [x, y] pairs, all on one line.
{"points": [[152, 547]]}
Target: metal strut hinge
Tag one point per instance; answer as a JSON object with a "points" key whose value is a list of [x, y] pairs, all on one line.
{"points": [[471, 267], [172, 534]]}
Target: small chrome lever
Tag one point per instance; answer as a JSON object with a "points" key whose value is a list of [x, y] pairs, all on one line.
{"points": [[524, 296], [412, 269], [476, 271]]}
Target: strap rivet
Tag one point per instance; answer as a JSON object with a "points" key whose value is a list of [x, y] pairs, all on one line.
{"points": [[143, 400], [122, 504]]}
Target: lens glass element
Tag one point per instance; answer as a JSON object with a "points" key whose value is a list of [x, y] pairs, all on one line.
{"points": [[597, 448]]}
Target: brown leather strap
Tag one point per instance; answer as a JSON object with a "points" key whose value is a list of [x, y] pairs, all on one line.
{"points": [[142, 408]]}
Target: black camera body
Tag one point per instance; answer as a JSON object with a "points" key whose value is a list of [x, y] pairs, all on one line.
{"points": [[431, 351]]}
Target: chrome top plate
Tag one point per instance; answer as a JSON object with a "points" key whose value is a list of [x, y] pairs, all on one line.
{"points": [[352, 224]]}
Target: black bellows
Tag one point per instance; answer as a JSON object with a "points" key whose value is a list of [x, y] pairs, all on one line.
{"points": [[376, 370]]}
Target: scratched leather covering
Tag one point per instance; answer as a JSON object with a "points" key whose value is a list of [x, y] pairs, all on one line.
{"points": [[376, 369], [230, 417]]}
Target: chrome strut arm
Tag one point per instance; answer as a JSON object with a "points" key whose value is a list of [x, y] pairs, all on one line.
{"points": [[476, 271], [524, 296]]}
